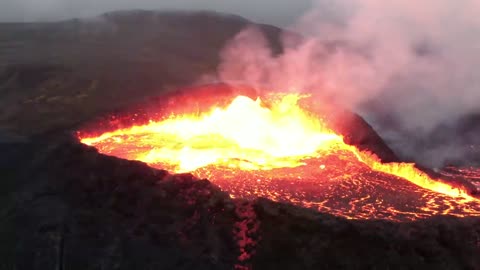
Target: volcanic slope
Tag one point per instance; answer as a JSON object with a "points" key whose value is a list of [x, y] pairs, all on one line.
{"points": [[78, 209]]}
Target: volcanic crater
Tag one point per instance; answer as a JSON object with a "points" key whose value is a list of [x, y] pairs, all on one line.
{"points": [[283, 147]]}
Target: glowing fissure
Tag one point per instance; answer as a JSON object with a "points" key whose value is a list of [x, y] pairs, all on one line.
{"points": [[249, 136]]}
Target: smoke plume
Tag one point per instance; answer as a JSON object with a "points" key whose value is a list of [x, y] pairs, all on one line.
{"points": [[408, 67]]}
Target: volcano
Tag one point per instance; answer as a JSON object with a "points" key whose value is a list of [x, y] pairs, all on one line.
{"points": [[69, 205], [283, 147]]}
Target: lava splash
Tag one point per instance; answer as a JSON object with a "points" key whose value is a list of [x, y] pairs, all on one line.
{"points": [[275, 148]]}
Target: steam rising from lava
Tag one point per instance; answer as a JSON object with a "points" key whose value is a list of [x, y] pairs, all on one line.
{"points": [[416, 61]]}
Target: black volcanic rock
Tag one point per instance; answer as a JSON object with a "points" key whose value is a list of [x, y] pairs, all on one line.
{"points": [[358, 132], [310, 241], [79, 210]]}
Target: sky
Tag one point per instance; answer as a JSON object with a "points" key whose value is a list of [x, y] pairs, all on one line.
{"points": [[276, 12]]}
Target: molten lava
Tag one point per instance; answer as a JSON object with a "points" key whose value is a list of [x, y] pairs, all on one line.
{"points": [[245, 135], [278, 150]]}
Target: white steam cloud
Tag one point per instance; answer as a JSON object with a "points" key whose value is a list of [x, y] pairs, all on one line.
{"points": [[418, 61]]}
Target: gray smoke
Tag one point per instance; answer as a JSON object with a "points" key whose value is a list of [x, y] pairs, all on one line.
{"points": [[408, 67]]}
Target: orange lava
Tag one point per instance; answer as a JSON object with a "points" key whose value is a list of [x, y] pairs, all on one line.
{"points": [[278, 150]]}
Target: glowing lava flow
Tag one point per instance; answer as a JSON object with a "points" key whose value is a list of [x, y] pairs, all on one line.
{"points": [[249, 148], [245, 135]]}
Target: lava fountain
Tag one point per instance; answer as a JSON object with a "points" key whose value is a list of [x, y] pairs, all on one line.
{"points": [[275, 148]]}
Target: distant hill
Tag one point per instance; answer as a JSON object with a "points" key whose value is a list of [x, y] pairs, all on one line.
{"points": [[54, 75]]}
